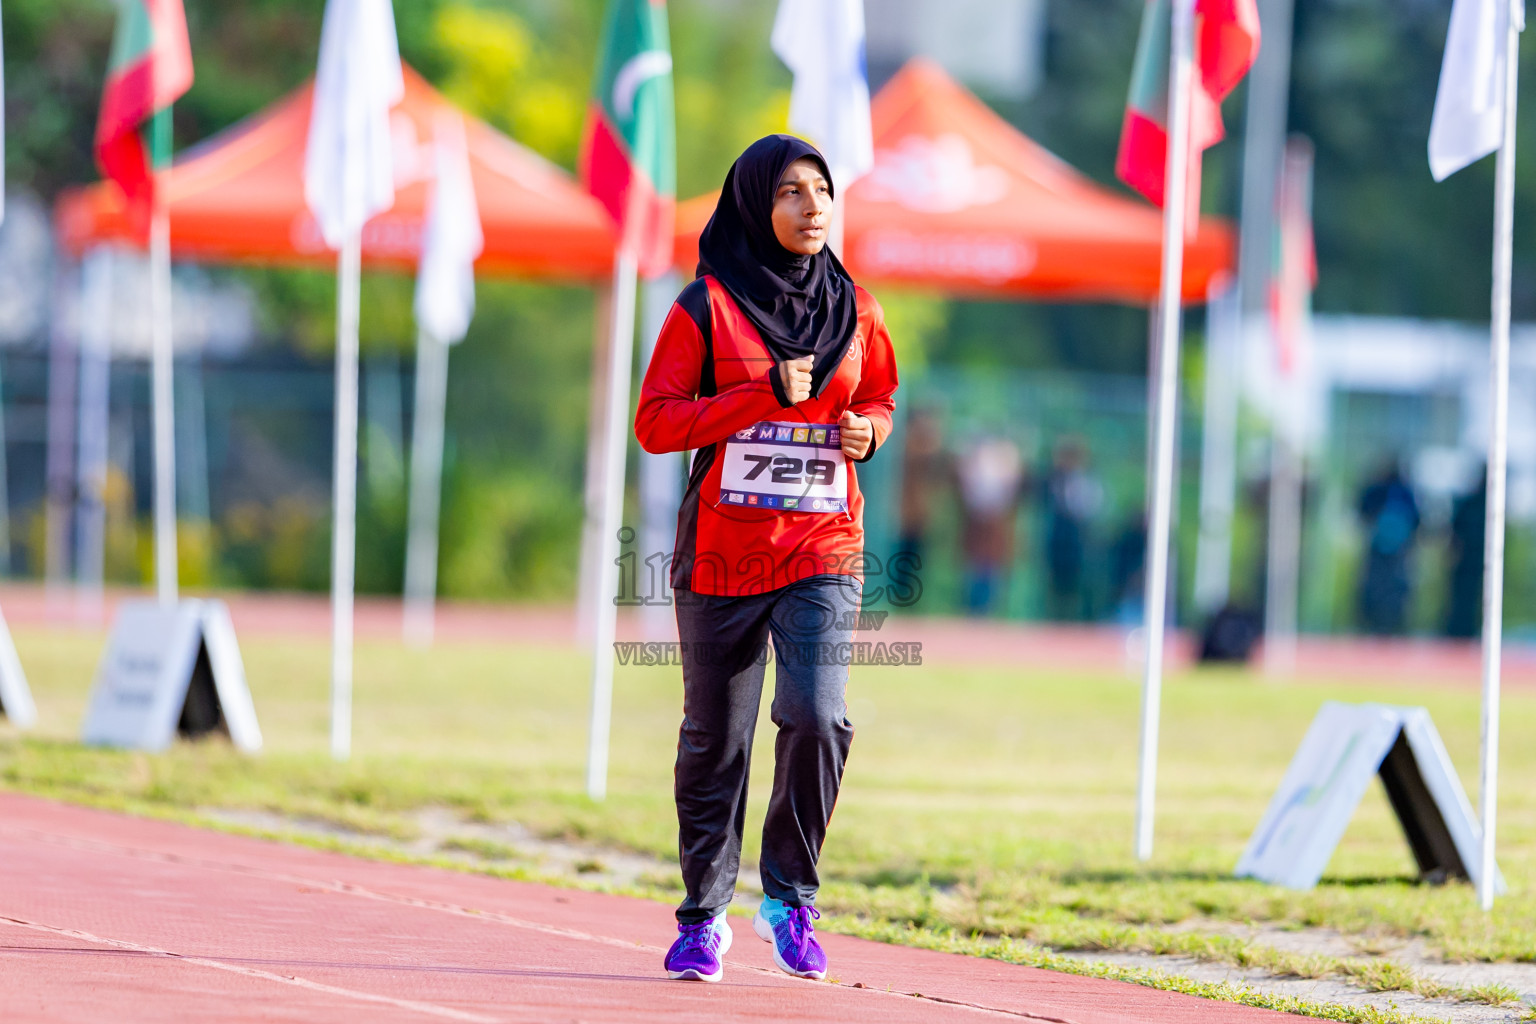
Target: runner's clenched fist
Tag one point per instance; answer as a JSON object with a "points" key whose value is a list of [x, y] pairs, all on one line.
{"points": [[796, 377], [857, 433]]}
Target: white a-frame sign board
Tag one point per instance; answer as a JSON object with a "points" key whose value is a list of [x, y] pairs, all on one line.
{"points": [[1345, 746], [15, 697], [171, 669]]}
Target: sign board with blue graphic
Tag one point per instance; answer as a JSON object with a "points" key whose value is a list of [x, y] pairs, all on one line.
{"points": [[1345, 746], [171, 669]]}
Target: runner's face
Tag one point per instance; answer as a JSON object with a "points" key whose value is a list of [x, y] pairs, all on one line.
{"points": [[802, 207]]}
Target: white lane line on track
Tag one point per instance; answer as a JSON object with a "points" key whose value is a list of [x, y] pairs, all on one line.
{"points": [[251, 972], [350, 889]]}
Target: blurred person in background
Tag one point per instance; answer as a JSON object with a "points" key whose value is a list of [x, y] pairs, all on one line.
{"points": [[990, 480], [1072, 498], [1464, 581], [923, 472], [778, 369], [1127, 571], [1390, 513]]}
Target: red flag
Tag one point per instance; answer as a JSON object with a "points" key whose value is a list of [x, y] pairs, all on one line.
{"points": [[1226, 43], [151, 67]]}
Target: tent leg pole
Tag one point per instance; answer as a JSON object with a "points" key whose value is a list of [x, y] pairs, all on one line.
{"points": [[1218, 451], [63, 380], [164, 369], [344, 501], [1284, 541], [95, 421]]}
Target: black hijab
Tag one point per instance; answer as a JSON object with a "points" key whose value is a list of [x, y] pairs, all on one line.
{"points": [[801, 305]]}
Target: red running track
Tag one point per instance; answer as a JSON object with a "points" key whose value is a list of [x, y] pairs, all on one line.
{"points": [[107, 918]]}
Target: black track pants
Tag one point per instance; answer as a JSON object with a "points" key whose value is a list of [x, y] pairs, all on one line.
{"points": [[724, 645]]}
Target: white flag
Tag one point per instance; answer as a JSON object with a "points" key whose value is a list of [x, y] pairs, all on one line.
{"points": [[348, 167], [453, 239], [1468, 122], [822, 42]]}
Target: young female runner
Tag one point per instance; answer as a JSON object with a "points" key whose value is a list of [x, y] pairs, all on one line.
{"points": [[777, 369]]}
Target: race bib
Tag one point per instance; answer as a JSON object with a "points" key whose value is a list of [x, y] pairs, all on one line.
{"points": [[797, 467]]}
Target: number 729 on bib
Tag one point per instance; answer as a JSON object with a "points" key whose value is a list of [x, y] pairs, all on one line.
{"points": [[795, 467]]}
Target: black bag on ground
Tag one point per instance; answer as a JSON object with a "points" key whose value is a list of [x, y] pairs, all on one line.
{"points": [[1230, 636]]}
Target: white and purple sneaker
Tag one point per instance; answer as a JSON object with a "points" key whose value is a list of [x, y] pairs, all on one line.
{"points": [[699, 952], [795, 948]]}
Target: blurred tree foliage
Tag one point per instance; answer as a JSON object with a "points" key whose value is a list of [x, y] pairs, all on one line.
{"points": [[1389, 240], [55, 55], [518, 387]]}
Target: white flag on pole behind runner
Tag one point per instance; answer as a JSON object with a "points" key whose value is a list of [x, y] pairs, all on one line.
{"points": [[822, 43], [348, 167], [1468, 122], [452, 240]]}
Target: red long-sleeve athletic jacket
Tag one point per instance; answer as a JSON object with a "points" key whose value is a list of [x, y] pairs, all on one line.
{"points": [[710, 384]]}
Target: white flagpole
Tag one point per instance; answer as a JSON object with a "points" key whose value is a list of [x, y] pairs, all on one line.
{"points": [[604, 614], [344, 502], [163, 373], [426, 489], [1176, 197], [445, 305], [1493, 550], [349, 178]]}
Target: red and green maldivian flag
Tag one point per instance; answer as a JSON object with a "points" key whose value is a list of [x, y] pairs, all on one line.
{"points": [[1226, 43], [629, 152], [151, 67]]}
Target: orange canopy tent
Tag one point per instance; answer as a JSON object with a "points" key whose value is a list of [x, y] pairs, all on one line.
{"points": [[239, 197], [960, 200]]}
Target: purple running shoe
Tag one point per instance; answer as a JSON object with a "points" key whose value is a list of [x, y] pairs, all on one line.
{"points": [[699, 952], [795, 948]]}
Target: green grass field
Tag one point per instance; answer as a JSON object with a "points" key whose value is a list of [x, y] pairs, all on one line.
{"points": [[990, 802]]}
